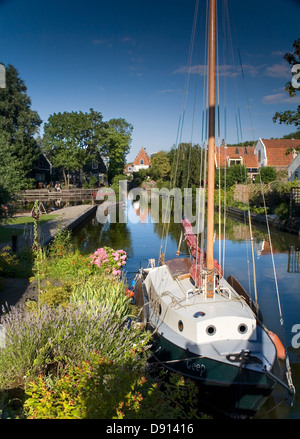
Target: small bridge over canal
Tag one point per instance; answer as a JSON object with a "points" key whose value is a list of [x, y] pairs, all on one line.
{"points": [[64, 195]]}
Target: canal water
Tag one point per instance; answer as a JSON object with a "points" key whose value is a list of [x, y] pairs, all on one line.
{"points": [[142, 238]]}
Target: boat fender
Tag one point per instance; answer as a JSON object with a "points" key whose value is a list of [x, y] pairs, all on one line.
{"points": [[279, 346]]}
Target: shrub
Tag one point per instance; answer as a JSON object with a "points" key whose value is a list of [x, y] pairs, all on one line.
{"points": [[282, 211], [72, 265], [15, 265], [111, 261], [47, 338], [105, 291], [61, 243], [266, 174], [55, 295], [105, 389]]}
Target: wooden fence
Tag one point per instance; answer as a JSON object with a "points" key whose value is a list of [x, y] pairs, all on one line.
{"points": [[44, 195], [295, 201]]}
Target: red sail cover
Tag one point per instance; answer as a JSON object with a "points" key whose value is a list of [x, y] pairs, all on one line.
{"points": [[196, 252], [191, 240]]}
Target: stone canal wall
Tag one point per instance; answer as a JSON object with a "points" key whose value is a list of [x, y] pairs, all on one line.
{"points": [[291, 225]]}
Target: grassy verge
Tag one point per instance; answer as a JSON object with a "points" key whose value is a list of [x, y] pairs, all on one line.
{"points": [[7, 232], [29, 220]]}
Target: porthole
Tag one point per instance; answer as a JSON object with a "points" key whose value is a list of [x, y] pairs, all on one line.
{"points": [[242, 328], [180, 326], [211, 330], [199, 314]]}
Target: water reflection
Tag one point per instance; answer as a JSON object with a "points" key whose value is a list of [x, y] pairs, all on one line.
{"points": [[142, 238]]}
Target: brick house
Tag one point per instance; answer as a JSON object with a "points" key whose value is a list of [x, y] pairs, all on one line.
{"points": [[142, 161]]}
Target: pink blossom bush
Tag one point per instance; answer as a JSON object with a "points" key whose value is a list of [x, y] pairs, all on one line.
{"points": [[112, 261]]}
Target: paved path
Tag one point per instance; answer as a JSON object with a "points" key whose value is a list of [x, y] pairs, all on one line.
{"points": [[68, 217]]}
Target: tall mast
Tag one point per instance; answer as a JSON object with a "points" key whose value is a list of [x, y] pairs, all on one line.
{"points": [[211, 145]]}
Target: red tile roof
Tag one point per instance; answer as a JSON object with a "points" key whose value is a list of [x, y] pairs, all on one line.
{"points": [[276, 149], [246, 153], [142, 155]]}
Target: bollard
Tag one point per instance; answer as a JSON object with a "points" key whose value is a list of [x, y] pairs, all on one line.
{"points": [[14, 239]]}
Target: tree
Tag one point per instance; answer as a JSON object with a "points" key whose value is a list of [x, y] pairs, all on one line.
{"points": [[187, 163], [116, 145], [292, 59], [12, 178], [291, 117], [160, 165], [18, 122], [266, 174], [234, 174], [73, 139]]}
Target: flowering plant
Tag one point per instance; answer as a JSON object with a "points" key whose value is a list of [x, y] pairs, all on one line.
{"points": [[112, 261]]}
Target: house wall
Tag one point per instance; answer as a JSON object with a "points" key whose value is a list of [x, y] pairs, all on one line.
{"points": [[260, 152], [294, 169]]}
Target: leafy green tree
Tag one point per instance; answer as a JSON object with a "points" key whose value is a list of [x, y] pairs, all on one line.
{"points": [[266, 174], [160, 165], [292, 58], [232, 175], [116, 145], [291, 117], [18, 122], [73, 139], [12, 178], [187, 163]]}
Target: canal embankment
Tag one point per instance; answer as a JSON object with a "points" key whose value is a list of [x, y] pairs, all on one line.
{"points": [[290, 225], [65, 218], [16, 291]]}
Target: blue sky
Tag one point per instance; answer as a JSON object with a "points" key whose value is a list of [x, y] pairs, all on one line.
{"points": [[128, 59]]}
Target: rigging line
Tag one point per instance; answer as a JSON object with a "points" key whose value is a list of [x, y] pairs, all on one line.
{"points": [[239, 126], [174, 179], [272, 254], [227, 26], [246, 93], [218, 123], [195, 98], [234, 73], [204, 131], [186, 87]]}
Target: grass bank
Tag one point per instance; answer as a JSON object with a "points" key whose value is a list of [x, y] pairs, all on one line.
{"points": [[7, 229]]}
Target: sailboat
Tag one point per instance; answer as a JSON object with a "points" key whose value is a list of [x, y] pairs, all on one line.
{"points": [[206, 327]]}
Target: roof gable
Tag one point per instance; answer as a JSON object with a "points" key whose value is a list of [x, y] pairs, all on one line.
{"points": [[244, 153], [142, 155], [276, 151]]}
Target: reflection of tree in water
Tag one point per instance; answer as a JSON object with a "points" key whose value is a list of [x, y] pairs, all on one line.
{"points": [[117, 236], [166, 223], [234, 231], [93, 235], [239, 231]]}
